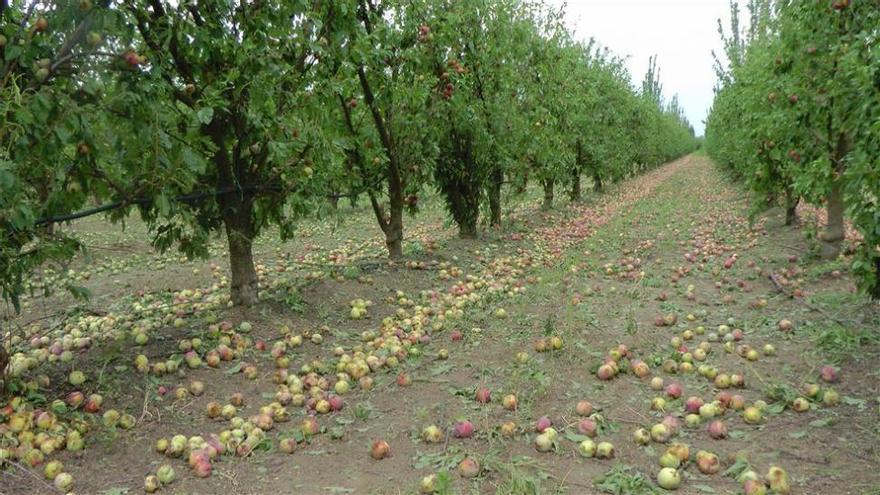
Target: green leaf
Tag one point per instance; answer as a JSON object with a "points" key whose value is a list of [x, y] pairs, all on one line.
{"points": [[163, 204], [13, 52], [854, 401], [574, 437], [205, 115], [737, 434], [191, 161], [235, 369], [821, 423], [79, 292]]}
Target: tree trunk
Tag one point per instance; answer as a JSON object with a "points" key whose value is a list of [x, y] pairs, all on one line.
{"points": [[874, 291], [467, 229], [791, 203], [460, 180], [575, 193], [236, 210], [524, 185], [548, 194], [392, 227], [4, 361], [394, 232], [834, 232], [597, 183], [243, 286], [495, 197]]}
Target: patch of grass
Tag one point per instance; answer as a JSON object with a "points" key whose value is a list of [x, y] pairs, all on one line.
{"points": [[819, 269], [836, 342], [782, 394], [351, 272], [519, 474], [626, 480], [363, 411]]}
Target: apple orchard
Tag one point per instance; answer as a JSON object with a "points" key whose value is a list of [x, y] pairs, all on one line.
{"points": [[433, 246]]}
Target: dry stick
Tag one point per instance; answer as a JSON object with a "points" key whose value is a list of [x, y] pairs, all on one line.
{"points": [[757, 375], [857, 455], [794, 248], [146, 404], [34, 476], [781, 289], [625, 420], [823, 462], [644, 418], [564, 478]]}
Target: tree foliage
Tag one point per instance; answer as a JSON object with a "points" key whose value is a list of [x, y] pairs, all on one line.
{"points": [[233, 118], [796, 113]]}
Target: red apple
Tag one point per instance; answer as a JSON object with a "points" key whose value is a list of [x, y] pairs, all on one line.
{"points": [[463, 429], [380, 450], [542, 424]]}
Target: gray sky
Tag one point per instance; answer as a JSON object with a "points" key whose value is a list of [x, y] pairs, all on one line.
{"points": [[681, 33]]}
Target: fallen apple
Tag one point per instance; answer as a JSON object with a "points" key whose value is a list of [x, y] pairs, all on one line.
{"points": [[668, 479], [717, 430], [656, 383], [828, 374], [708, 463], [432, 434], [801, 404], [428, 484], [752, 415], [151, 483], [584, 408], [542, 424], [754, 487], [674, 390], [469, 467], [604, 450], [777, 478], [680, 450], [587, 448], [830, 397], [508, 429], [660, 433], [543, 442], [588, 427], [463, 429], [380, 450]]}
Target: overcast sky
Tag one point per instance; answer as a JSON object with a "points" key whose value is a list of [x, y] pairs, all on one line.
{"points": [[681, 33]]}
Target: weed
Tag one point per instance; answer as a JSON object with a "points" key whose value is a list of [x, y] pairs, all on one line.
{"points": [[363, 411], [837, 342], [626, 480]]}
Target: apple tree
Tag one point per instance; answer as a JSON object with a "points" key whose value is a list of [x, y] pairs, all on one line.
{"points": [[383, 96], [804, 91], [223, 105], [49, 106]]}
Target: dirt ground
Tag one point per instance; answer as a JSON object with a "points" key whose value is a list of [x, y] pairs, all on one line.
{"points": [[597, 274]]}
